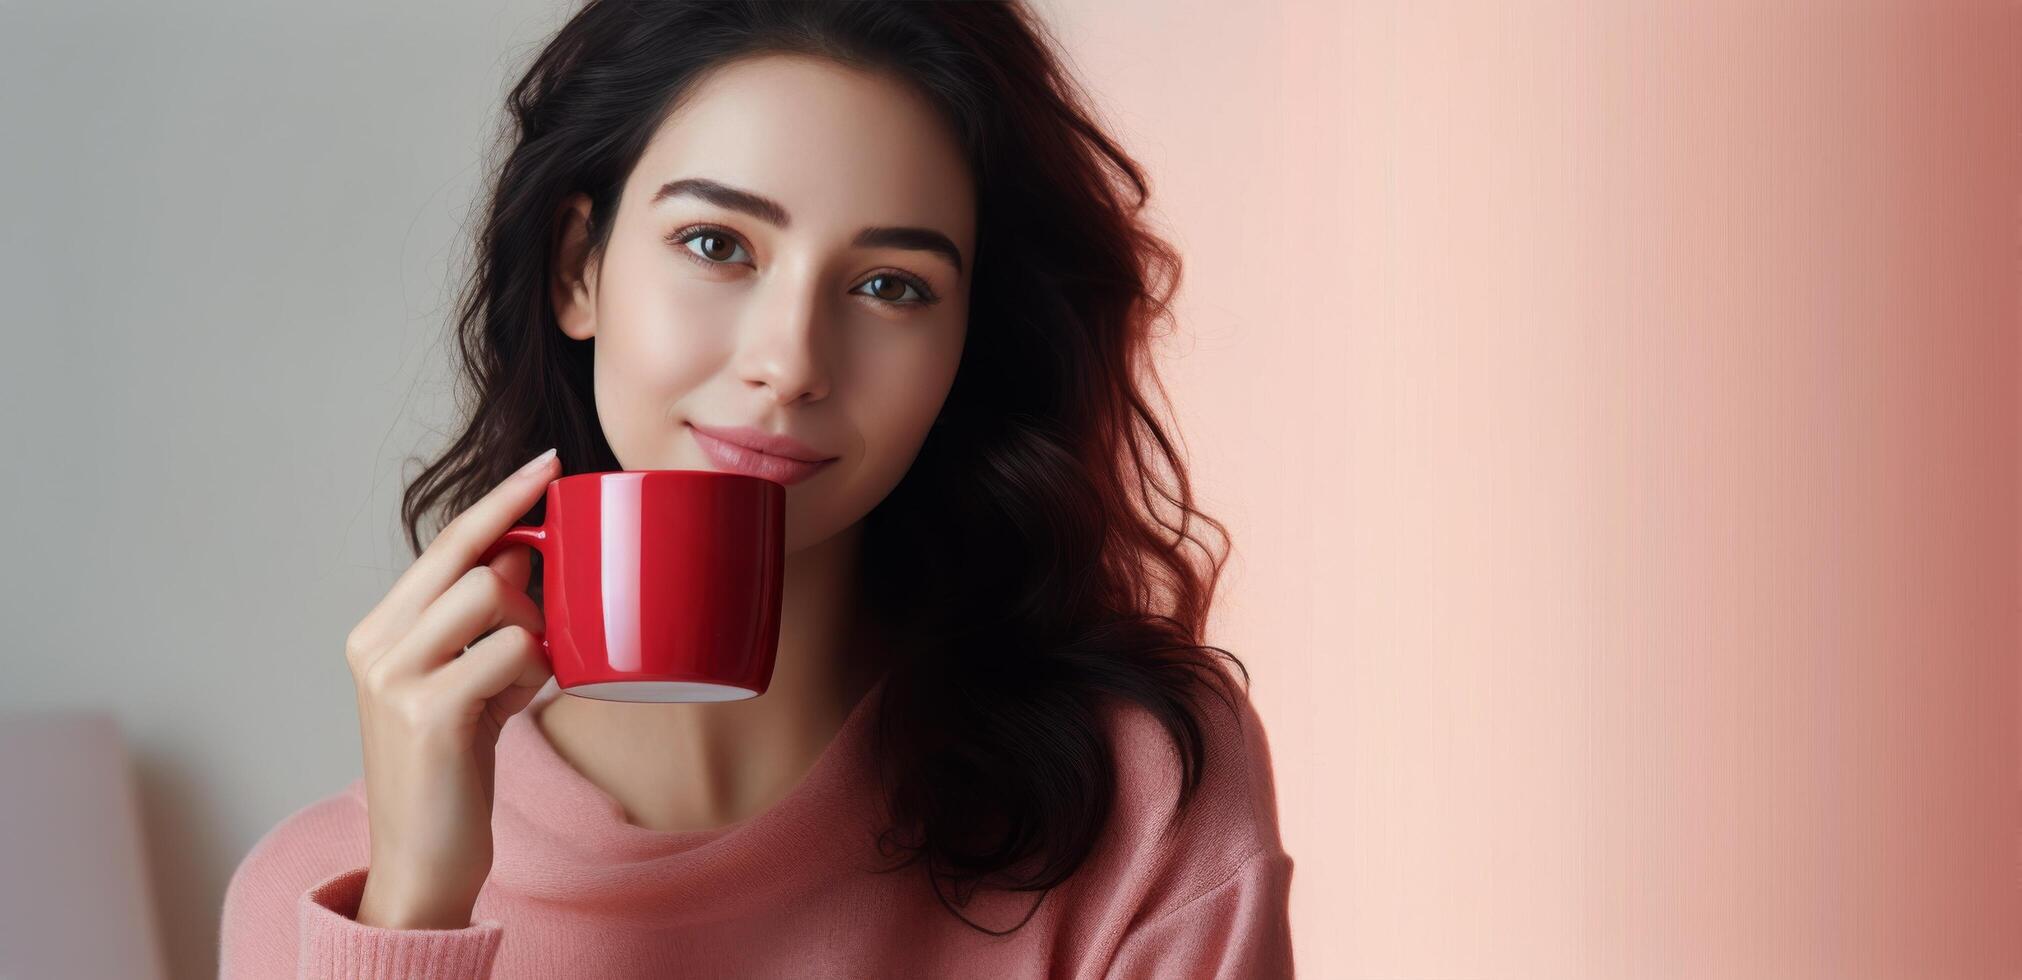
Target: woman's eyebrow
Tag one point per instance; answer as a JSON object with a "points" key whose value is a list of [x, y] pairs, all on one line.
{"points": [[768, 210]]}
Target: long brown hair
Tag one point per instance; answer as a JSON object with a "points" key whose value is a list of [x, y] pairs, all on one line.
{"points": [[1043, 553]]}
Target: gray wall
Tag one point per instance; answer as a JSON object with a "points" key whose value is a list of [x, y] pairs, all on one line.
{"points": [[229, 237]]}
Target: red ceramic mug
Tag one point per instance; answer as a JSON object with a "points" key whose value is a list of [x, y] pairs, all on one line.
{"points": [[660, 585]]}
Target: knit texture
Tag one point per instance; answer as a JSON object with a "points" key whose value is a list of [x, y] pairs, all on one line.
{"points": [[576, 890]]}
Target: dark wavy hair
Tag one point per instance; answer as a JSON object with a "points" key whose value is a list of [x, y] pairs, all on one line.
{"points": [[1035, 559]]}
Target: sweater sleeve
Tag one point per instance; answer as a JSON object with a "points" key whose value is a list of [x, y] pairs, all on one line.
{"points": [[290, 911], [335, 945], [1238, 928]]}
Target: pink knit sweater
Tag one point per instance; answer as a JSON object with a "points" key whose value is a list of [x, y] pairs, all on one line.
{"points": [[577, 891]]}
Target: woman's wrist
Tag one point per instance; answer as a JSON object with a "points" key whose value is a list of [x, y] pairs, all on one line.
{"points": [[387, 903]]}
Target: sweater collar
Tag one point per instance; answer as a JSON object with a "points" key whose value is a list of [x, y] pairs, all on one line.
{"points": [[557, 834]]}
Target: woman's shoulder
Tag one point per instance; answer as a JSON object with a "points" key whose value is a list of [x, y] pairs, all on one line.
{"points": [[1230, 824], [328, 830], [309, 846]]}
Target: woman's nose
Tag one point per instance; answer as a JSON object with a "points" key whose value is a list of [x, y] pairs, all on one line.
{"points": [[784, 347]]}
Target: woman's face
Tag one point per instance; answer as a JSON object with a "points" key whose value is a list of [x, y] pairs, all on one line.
{"points": [[710, 306]]}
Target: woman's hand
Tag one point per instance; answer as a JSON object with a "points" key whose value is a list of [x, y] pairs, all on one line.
{"points": [[430, 711]]}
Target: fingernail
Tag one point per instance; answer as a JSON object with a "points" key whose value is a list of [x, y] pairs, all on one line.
{"points": [[538, 461]]}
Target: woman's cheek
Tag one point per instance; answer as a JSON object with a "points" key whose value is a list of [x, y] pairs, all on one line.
{"points": [[652, 353], [897, 416], [672, 342]]}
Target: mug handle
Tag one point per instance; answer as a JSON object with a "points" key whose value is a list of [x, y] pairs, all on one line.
{"points": [[535, 536]]}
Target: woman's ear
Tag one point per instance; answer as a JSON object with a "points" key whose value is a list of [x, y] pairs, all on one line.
{"points": [[574, 285]]}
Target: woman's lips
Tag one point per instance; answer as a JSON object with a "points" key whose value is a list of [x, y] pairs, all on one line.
{"points": [[740, 459]]}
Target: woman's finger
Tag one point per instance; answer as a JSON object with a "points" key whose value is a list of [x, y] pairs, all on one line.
{"points": [[457, 549], [508, 667], [478, 602], [514, 563]]}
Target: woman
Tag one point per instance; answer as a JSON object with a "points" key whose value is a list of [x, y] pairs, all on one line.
{"points": [[995, 745]]}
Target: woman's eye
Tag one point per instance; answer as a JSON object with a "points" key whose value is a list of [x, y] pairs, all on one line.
{"points": [[716, 248], [894, 289]]}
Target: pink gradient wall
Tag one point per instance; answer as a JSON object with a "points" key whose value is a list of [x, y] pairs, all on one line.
{"points": [[1614, 405]]}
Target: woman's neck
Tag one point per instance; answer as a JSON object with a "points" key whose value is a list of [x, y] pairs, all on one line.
{"points": [[704, 765]]}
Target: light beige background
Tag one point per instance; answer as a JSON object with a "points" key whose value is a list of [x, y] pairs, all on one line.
{"points": [[1613, 404]]}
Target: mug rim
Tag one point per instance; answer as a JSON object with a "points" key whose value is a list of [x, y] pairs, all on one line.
{"points": [[660, 474]]}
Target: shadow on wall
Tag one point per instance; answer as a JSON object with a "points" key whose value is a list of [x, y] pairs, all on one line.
{"points": [[189, 863]]}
